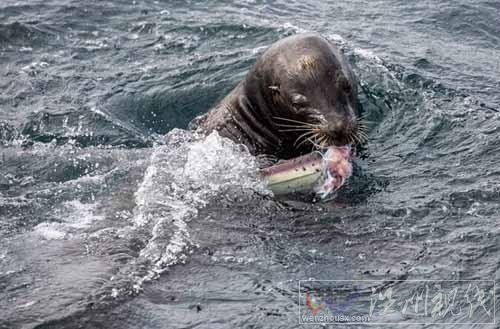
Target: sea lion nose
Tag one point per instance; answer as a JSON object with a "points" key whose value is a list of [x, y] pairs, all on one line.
{"points": [[341, 129], [339, 126]]}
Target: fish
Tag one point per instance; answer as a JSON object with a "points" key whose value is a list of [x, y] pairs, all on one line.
{"points": [[321, 172]]}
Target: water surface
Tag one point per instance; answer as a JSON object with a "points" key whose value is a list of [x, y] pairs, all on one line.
{"points": [[111, 218]]}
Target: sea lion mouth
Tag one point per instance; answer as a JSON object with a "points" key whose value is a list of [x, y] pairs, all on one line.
{"points": [[320, 134]]}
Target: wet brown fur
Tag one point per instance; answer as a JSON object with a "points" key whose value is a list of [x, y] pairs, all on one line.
{"points": [[260, 111]]}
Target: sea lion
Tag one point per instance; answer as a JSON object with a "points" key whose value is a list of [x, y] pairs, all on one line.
{"points": [[299, 95]]}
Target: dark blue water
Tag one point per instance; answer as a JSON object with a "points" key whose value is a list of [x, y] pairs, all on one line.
{"points": [[111, 218]]}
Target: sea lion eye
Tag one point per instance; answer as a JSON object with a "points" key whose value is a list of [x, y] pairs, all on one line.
{"points": [[299, 100]]}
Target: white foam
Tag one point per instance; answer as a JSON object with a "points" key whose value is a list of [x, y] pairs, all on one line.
{"points": [[182, 177], [294, 28], [368, 54], [50, 231], [74, 216]]}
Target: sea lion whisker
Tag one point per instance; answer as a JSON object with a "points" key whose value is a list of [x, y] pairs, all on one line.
{"points": [[315, 140], [302, 136], [294, 129], [363, 135], [359, 131], [350, 139], [315, 143], [322, 136], [356, 139], [327, 139], [307, 139], [292, 126], [318, 139], [303, 141], [323, 141], [296, 121], [362, 126], [360, 137], [305, 134], [365, 122]]}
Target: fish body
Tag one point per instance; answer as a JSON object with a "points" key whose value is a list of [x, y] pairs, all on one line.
{"points": [[321, 172]]}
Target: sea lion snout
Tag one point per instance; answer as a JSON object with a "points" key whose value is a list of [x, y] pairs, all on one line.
{"points": [[341, 131]]}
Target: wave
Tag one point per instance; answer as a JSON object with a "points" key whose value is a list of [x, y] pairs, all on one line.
{"points": [[85, 127], [22, 34]]}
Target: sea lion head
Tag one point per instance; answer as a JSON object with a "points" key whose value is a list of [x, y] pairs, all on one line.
{"points": [[310, 93]]}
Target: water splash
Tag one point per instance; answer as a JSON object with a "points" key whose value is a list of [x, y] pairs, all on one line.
{"points": [[183, 175], [75, 216]]}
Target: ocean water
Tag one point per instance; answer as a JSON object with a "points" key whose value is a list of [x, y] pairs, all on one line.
{"points": [[112, 215]]}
